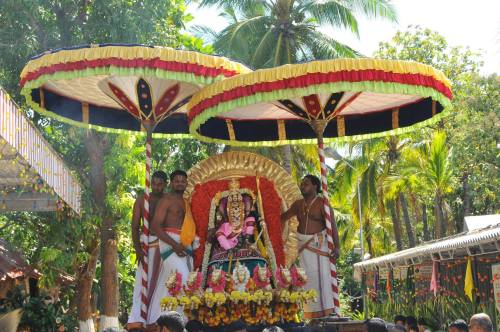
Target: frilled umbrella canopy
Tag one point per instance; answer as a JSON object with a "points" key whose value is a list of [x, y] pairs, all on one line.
{"points": [[123, 88], [343, 99], [353, 98], [119, 87]]}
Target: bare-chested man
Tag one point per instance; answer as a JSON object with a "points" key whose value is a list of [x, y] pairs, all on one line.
{"points": [[314, 254], [158, 183], [175, 229]]}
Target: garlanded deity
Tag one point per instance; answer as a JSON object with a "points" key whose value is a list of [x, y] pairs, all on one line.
{"points": [[237, 223], [283, 277], [234, 219], [299, 276], [174, 283], [193, 283], [240, 277], [216, 281], [262, 277]]}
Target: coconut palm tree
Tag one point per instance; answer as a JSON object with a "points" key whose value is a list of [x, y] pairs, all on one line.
{"points": [[429, 167], [269, 33]]}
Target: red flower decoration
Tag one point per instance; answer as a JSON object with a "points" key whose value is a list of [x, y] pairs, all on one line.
{"points": [[297, 280], [219, 285], [175, 288], [255, 276], [200, 208]]}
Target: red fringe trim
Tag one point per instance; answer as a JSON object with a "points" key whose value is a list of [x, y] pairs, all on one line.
{"points": [[320, 78], [200, 208], [154, 63]]}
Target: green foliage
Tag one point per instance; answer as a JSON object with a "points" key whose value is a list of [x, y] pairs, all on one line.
{"points": [[39, 313], [271, 33], [437, 312], [59, 244]]}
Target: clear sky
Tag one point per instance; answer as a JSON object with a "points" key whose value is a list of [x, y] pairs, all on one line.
{"points": [[463, 23]]}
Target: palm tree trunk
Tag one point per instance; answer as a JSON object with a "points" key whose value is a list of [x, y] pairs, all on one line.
{"points": [[440, 226], [406, 217], [427, 235], [109, 277], [368, 236], [437, 216], [417, 215], [85, 279], [97, 146], [396, 225], [467, 202]]}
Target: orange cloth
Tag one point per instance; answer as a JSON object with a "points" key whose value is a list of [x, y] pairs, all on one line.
{"points": [[188, 229]]}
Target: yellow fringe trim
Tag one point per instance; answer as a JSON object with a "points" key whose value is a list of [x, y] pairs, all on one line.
{"points": [[322, 66], [133, 52]]}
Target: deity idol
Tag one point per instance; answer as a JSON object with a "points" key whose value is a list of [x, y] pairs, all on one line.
{"points": [[235, 222]]}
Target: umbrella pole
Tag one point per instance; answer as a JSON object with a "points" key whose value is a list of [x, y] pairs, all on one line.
{"points": [[145, 227], [319, 127]]}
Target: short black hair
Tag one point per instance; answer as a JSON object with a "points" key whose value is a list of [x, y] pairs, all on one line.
{"points": [[396, 328], [411, 321], [160, 175], [194, 325], [399, 318], [236, 326], [178, 172], [172, 320], [376, 325], [315, 181], [460, 325]]}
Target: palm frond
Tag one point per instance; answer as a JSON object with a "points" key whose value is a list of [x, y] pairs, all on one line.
{"points": [[204, 32], [375, 9], [236, 4], [333, 13]]}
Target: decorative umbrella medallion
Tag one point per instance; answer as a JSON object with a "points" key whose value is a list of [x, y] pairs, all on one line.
{"points": [[317, 102], [123, 88]]}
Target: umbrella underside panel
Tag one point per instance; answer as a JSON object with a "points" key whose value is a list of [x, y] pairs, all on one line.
{"points": [[350, 124], [106, 117]]}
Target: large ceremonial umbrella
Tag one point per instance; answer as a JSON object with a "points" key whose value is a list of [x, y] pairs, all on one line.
{"points": [[318, 102], [120, 88]]}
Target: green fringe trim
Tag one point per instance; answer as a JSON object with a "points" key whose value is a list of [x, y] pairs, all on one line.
{"points": [[365, 86], [111, 70]]}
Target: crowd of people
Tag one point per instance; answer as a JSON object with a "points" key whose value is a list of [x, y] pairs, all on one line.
{"points": [[478, 323], [174, 322]]}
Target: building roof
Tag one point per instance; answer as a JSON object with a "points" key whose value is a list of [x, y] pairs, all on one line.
{"points": [[474, 242], [32, 175], [12, 264]]}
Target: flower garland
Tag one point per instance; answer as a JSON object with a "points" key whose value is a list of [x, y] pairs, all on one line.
{"points": [[217, 285], [259, 307], [193, 284], [299, 277], [283, 278], [262, 284], [174, 283]]}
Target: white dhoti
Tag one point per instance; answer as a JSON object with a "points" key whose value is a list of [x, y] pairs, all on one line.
{"points": [[135, 319], [163, 261], [314, 259], [170, 263]]}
